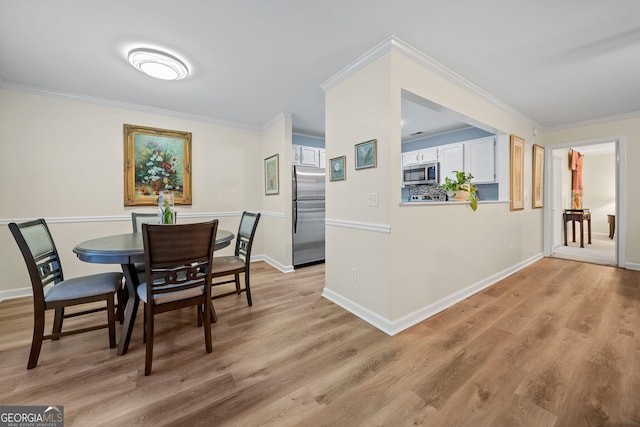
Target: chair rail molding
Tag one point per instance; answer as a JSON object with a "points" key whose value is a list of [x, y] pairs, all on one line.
{"points": [[357, 225], [116, 218]]}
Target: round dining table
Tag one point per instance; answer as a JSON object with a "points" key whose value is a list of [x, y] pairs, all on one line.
{"points": [[127, 250]]}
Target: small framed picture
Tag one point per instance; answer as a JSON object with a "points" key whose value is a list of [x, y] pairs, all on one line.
{"points": [[516, 165], [337, 168], [538, 176], [271, 175], [366, 154]]}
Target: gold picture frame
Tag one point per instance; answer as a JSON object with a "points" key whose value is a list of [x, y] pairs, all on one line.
{"points": [[538, 177], [272, 175], [156, 160], [516, 170]]}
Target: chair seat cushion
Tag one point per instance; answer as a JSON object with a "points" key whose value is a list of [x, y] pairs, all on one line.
{"points": [[169, 296], [226, 264], [85, 286]]}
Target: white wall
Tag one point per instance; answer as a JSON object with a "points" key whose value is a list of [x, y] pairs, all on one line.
{"points": [[276, 219], [62, 159], [412, 261]]}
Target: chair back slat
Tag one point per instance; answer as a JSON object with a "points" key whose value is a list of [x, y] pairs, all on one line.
{"points": [[175, 256]]}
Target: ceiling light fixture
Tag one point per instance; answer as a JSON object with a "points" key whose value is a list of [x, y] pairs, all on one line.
{"points": [[158, 64]]}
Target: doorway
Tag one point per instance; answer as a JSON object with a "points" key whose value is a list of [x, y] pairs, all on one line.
{"points": [[600, 198]]}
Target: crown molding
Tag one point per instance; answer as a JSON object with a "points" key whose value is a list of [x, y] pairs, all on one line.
{"points": [[607, 119], [280, 116], [395, 44], [16, 87]]}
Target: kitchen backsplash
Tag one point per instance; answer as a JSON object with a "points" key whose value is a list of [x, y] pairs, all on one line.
{"points": [[432, 191]]}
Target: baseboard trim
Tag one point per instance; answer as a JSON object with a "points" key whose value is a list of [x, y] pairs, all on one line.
{"points": [[273, 263], [394, 327], [632, 266], [15, 293], [363, 313]]}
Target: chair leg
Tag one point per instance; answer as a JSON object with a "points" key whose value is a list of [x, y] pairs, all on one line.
{"points": [[144, 323], [214, 316], [111, 319], [122, 302], [207, 326], [237, 277], [57, 322], [36, 342], [149, 340], [247, 286]]}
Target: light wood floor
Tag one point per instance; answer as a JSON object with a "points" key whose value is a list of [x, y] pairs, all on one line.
{"points": [[557, 344]]}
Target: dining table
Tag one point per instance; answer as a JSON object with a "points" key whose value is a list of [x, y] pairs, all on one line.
{"points": [[127, 250]]}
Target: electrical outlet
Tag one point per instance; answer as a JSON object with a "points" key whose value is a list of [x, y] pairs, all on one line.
{"points": [[354, 274], [373, 199]]}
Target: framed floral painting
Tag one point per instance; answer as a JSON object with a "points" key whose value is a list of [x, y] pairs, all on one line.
{"points": [[156, 160]]}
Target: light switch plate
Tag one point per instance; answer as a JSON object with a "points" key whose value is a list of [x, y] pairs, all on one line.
{"points": [[373, 199]]}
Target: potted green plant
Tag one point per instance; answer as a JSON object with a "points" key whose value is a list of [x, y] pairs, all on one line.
{"points": [[461, 188]]}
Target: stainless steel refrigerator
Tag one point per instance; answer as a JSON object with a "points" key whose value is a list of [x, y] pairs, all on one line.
{"points": [[308, 215]]}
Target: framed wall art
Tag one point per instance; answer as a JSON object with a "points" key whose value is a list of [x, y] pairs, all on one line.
{"points": [[336, 165], [366, 154], [156, 160], [516, 167], [271, 175], [538, 176]]}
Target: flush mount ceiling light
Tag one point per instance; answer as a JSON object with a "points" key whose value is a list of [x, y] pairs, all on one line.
{"points": [[158, 64]]}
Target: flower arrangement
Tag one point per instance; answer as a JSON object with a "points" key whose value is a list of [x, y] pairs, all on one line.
{"points": [[165, 206], [156, 169]]}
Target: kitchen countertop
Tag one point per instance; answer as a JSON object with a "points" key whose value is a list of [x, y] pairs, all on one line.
{"points": [[438, 202]]}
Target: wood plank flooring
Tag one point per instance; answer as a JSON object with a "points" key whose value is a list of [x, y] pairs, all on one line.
{"points": [[556, 344]]}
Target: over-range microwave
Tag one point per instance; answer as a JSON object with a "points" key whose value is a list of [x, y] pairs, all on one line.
{"points": [[426, 173]]}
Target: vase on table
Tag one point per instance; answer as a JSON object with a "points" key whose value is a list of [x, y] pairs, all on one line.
{"points": [[166, 214]]}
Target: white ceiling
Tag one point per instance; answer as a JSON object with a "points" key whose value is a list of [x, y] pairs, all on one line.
{"points": [[556, 62]]}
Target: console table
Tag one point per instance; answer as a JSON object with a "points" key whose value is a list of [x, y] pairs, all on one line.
{"points": [[574, 215]]}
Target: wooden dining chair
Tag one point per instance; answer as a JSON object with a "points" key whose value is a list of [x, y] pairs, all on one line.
{"points": [[52, 292], [139, 218], [177, 260], [240, 261]]}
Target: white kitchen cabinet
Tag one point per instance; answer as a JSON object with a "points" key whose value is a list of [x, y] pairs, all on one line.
{"points": [[480, 160], [295, 154], [307, 156], [451, 159], [410, 158], [429, 155], [417, 157]]}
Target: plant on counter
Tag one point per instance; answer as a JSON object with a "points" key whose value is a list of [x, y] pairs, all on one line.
{"points": [[462, 184]]}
